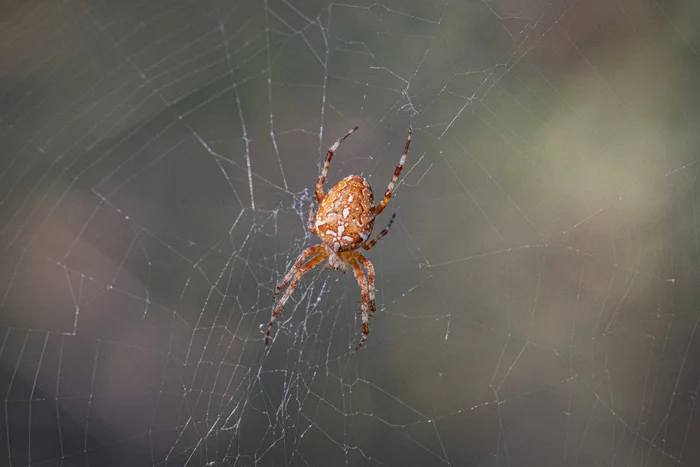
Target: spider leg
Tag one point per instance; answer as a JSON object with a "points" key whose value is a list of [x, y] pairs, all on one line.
{"points": [[329, 156], [369, 267], [308, 266], [390, 189], [381, 234], [312, 250], [362, 282], [311, 226]]}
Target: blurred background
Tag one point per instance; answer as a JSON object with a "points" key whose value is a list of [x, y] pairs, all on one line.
{"points": [[537, 296]]}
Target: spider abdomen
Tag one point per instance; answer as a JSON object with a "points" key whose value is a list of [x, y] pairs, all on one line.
{"points": [[345, 217]]}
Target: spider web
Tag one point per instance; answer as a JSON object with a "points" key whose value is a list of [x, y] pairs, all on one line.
{"points": [[537, 295]]}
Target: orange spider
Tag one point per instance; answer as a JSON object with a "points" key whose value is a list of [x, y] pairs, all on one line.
{"points": [[344, 223]]}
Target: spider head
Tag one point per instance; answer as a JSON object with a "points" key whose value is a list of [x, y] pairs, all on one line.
{"points": [[345, 217], [337, 261]]}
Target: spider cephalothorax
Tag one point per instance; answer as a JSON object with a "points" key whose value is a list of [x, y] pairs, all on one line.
{"points": [[344, 223]]}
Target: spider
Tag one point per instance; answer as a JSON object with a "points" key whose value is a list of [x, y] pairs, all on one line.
{"points": [[344, 223]]}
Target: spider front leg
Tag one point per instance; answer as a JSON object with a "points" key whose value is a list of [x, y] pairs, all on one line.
{"points": [[297, 264], [329, 156], [308, 266], [390, 189], [362, 282], [369, 267]]}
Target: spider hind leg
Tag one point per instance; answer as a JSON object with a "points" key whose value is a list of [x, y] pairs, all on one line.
{"points": [[390, 189], [327, 163]]}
